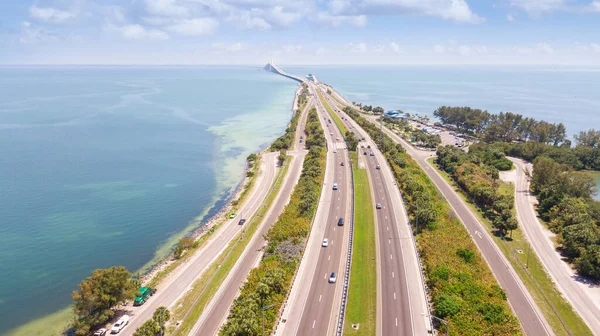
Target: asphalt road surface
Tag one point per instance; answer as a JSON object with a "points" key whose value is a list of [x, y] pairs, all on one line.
{"points": [[578, 293], [180, 281], [322, 303]]}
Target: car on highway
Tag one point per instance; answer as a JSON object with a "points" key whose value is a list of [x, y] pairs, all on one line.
{"points": [[325, 242], [232, 215], [372, 154], [300, 140], [332, 277], [365, 153], [378, 206], [242, 221], [377, 167], [100, 332], [342, 163], [335, 186], [337, 139], [341, 221], [335, 151], [121, 323]]}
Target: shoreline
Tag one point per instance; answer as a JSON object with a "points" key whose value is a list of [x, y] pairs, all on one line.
{"points": [[147, 272]]}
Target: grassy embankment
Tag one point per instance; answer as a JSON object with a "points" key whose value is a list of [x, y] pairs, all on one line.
{"points": [[362, 294], [268, 284], [191, 306], [462, 288], [557, 311]]}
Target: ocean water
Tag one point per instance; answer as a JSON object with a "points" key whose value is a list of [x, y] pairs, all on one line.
{"points": [[555, 94], [104, 166]]}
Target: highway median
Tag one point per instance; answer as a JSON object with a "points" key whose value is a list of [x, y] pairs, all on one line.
{"points": [[362, 295]]}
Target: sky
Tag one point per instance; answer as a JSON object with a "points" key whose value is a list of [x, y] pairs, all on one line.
{"points": [[560, 32]]}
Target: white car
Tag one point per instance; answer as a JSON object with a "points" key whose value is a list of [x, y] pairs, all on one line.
{"points": [[121, 323], [332, 277], [100, 332], [335, 186], [325, 242], [335, 151]]}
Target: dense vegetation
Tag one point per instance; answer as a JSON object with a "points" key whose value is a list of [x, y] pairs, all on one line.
{"points": [[505, 126], [269, 283], [476, 173], [462, 287], [565, 202], [156, 325], [97, 294], [287, 139]]}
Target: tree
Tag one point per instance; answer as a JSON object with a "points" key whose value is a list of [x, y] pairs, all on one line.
{"points": [[590, 138], [282, 156], [589, 262], [149, 328], [161, 316], [97, 294], [351, 141], [577, 238]]}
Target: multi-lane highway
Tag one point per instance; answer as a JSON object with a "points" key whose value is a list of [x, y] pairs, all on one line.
{"points": [[313, 310], [580, 294], [180, 281], [529, 315], [216, 311], [402, 303]]}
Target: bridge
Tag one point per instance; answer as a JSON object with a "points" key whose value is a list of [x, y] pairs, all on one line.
{"points": [[275, 69]]}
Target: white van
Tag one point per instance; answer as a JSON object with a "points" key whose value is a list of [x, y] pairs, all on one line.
{"points": [[121, 323], [335, 187]]}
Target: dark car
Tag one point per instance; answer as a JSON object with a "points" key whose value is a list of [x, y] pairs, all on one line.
{"points": [[372, 154], [341, 221], [365, 153], [342, 163], [242, 221]]}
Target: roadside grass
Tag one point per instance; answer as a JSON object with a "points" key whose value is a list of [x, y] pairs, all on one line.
{"points": [[362, 294], [159, 276], [353, 158], [557, 311], [333, 116], [191, 306]]}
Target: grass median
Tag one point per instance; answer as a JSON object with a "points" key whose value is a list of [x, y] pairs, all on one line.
{"points": [[557, 311], [362, 294], [333, 115], [191, 306]]}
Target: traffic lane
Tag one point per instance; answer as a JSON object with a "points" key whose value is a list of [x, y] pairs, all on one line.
{"points": [[396, 316], [252, 254], [320, 301], [181, 280]]}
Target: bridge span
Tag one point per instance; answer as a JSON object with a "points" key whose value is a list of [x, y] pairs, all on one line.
{"points": [[275, 69]]}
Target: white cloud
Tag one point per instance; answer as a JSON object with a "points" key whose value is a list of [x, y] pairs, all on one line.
{"points": [[235, 47], [30, 34], [395, 47], [510, 18], [379, 48], [595, 47], [292, 48], [320, 51], [358, 47], [280, 17], [248, 20], [537, 7], [194, 27], [49, 14], [455, 10], [166, 8], [544, 48], [329, 20], [138, 32], [595, 6], [439, 49]]}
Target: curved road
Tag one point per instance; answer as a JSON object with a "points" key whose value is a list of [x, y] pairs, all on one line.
{"points": [[579, 294]]}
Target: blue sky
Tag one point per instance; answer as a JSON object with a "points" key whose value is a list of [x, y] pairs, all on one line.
{"points": [[300, 31]]}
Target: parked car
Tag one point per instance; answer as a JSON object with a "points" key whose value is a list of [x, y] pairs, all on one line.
{"points": [[121, 323], [100, 332], [332, 277], [325, 242]]}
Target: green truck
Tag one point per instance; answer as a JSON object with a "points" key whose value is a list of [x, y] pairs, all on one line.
{"points": [[143, 294]]}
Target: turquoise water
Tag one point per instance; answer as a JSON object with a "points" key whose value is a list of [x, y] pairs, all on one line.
{"points": [[567, 95], [103, 166]]}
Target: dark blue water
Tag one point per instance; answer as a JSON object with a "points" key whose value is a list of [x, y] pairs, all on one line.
{"points": [[104, 166]]}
